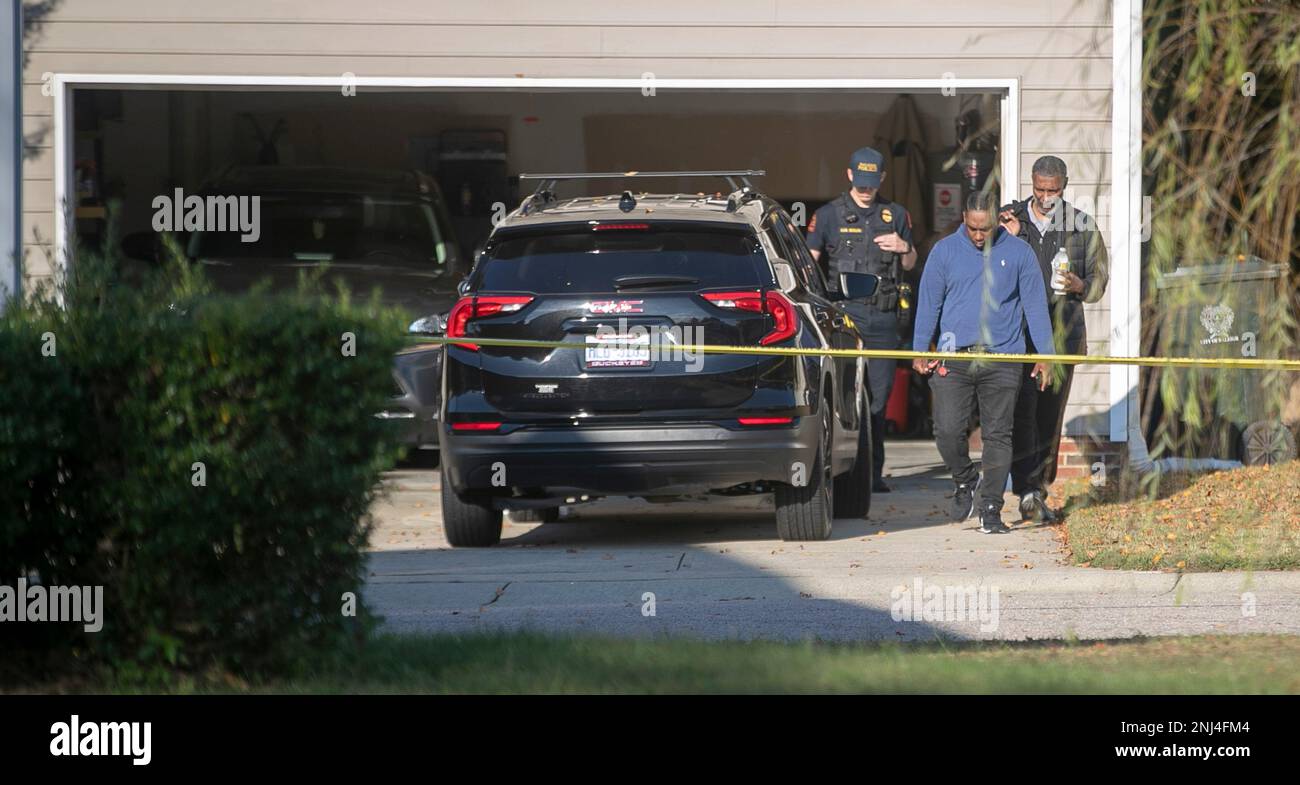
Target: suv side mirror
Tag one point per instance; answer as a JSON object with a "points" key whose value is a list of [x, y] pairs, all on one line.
{"points": [[858, 286], [785, 278]]}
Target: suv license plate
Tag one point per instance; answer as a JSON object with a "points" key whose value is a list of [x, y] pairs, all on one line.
{"points": [[618, 351]]}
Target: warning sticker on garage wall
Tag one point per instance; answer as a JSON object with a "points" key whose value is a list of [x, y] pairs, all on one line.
{"points": [[947, 209]]}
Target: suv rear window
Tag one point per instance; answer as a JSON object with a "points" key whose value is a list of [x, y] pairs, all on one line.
{"points": [[587, 261]]}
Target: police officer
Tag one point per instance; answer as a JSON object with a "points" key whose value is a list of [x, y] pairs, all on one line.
{"points": [[862, 232]]}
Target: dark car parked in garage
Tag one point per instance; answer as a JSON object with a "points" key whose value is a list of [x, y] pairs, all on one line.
{"points": [[620, 414], [364, 228]]}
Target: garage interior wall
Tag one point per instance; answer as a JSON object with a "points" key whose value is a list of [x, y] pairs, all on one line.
{"points": [[1059, 50]]}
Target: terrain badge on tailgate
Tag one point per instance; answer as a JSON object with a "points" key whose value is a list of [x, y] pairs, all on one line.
{"points": [[546, 391]]}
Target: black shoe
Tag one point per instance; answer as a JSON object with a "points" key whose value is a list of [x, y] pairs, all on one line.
{"points": [[991, 521], [1033, 507], [1028, 509], [963, 499], [878, 486]]}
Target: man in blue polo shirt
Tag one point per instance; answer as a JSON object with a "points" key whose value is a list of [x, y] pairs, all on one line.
{"points": [[980, 285]]}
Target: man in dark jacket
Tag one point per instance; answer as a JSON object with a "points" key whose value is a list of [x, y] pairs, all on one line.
{"points": [[1049, 224]]}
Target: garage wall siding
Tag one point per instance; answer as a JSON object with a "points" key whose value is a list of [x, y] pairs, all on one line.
{"points": [[1060, 50]]}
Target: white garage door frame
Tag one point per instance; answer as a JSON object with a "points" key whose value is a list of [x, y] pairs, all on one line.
{"points": [[1126, 215]]}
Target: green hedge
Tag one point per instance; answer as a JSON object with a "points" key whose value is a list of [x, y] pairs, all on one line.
{"points": [[41, 466], [209, 459]]}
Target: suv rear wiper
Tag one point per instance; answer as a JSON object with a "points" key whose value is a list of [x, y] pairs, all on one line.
{"points": [[639, 281]]}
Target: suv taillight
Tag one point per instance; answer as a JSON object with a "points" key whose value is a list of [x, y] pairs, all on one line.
{"points": [[478, 307], [777, 305], [783, 318], [745, 301]]}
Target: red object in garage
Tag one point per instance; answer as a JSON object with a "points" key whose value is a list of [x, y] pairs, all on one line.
{"points": [[896, 406]]}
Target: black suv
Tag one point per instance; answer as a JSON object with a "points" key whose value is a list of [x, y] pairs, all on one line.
{"points": [[632, 283]]}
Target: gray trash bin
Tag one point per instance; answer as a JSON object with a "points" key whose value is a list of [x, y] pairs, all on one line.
{"points": [[1230, 310]]}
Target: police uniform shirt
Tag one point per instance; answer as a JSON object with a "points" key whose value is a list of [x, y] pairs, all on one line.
{"points": [[830, 235]]}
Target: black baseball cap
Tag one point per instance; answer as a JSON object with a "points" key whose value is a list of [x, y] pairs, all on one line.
{"points": [[867, 166]]}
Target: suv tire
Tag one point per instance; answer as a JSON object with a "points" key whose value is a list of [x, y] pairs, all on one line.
{"points": [[804, 512], [468, 524], [853, 488]]}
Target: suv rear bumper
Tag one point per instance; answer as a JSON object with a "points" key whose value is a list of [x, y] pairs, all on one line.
{"points": [[653, 460]]}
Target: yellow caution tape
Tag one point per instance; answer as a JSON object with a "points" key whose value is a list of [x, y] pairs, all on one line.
{"points": [[901, 354]]}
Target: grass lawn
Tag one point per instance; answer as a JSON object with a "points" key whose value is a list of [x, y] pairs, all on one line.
{"points": [[1245, 519], [530, 663]]}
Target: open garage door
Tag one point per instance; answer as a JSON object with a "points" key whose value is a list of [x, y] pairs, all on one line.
{"points": [[132, 140], [131, 144]]}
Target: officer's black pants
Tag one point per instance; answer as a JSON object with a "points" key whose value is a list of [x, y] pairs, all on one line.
{"points": [[879, 330], [1040, 417], [995, 387]]}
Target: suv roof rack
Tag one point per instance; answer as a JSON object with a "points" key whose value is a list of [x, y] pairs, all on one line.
{"points": [[742, 189]]}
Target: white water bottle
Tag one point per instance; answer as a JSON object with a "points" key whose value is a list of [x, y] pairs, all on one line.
{"points": [[1060, 266]]}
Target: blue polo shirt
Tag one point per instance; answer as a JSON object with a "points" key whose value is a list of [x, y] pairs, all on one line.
{"points": [[982, 298]]}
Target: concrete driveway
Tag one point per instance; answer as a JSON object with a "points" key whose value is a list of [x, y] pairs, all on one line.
{"points": [[715, 569]]}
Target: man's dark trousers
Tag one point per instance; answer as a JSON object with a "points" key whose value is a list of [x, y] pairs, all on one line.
{"points": [[995, 386], [1039, 419]]}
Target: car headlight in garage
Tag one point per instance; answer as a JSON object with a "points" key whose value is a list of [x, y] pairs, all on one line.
{"points": [[434, 324]]}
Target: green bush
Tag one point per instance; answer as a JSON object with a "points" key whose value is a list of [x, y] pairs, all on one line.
{"points": [[41, 419], [209, 459]]}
